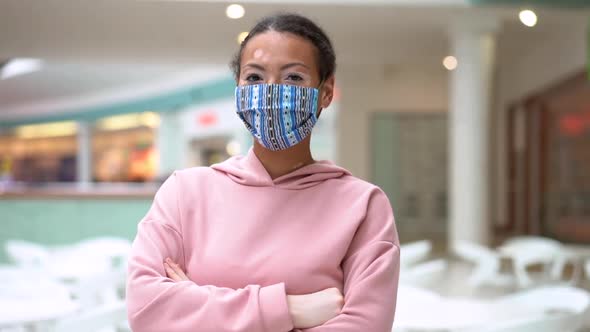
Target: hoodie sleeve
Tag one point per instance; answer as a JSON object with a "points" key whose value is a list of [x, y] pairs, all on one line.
{"points": [[156, 303], [371, 273]]}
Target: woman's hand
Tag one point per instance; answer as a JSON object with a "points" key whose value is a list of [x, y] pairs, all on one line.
{"points": [[173, 271], [315, 309]]}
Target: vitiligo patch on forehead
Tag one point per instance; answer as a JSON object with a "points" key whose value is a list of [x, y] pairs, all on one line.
{"points": [[259, 54]]}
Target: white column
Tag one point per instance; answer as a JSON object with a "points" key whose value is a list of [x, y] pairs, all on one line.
{"points": [[84, 159], [170, 143], [473, 44]]}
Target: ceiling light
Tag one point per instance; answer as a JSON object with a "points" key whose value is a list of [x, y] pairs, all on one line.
{"points": [[19, 66], [235, 11], [528, 17], [450, 62], [242, 36]]}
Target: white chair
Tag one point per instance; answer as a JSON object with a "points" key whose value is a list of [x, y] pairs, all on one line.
{"points": [[100, 289], [487, 265], [13, 329], [424, 273], [9, 273], [414, 252], [71, 266], [33, 287], [561, 255], [564, 257], [31, 303], [526, 252], [113, 247], [97, 278], [27, 254], [89, 258], [524, 239], [103, 318]]}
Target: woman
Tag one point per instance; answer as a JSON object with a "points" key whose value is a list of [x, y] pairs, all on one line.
{"points": [[273, 241]]}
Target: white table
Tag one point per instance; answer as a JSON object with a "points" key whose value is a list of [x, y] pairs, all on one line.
{"points": [[30, 300], [26, 312], [420, 309], [76, 269]]}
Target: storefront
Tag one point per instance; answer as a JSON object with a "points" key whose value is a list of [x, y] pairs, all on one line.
{"points": [[213, 133], [123, 150], [549, 159]]}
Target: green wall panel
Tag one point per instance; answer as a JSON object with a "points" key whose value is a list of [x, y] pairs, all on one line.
{"points": [[384, 130], [63, 221]]}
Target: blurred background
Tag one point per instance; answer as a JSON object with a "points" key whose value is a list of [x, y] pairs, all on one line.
{"points": [[472, 115]]}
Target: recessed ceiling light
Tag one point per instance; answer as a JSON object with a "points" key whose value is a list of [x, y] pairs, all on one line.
{"points": [[19, 66], [450, 62], [242, 36], [528, 17], [235, 11]]}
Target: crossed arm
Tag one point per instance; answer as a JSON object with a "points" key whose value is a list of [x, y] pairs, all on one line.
{"points": [[306, 311], [160, 298]]}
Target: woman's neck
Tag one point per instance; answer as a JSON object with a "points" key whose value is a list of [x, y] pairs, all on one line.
{"points": [[279, 163]]}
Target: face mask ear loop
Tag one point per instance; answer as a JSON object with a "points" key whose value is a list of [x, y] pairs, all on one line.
{"points": [[320, 99]]}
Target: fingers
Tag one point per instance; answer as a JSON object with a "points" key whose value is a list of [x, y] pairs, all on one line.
{"points": [[170, 273], [173, 271], [179, 272]]}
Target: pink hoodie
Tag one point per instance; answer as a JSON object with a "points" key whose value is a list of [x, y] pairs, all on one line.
{"points": [[246, 241]]}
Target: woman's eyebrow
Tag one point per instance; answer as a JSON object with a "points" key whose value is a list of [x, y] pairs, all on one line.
{"points": [[294, 64], [286, 66], [255, 66]]}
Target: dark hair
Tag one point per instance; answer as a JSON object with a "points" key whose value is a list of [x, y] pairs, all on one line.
{"points": [[300, 26]]}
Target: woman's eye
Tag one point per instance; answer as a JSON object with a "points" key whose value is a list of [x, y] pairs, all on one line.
{"points": [[253, 78], [294, 77]]}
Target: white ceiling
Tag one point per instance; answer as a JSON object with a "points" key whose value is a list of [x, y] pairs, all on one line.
{"points": [[93, 48], [182, 31], [71, 87], [59, 80]]}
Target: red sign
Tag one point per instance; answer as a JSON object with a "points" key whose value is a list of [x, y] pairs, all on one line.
{"points": [[573, 125], [207, 119]]}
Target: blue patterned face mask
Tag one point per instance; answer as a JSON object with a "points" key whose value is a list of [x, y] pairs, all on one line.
{"points": [[279, 116]]}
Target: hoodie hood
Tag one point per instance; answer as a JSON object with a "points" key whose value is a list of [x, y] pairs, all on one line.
{"points": [[248, 170]]}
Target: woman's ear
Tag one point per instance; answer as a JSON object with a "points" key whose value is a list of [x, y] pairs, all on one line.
{"points": [[327, 92]]}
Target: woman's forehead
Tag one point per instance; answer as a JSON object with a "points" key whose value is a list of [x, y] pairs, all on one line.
{"points": [[270, 47]]}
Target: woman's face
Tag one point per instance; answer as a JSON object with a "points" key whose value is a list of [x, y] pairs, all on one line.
{"points": [[283, 58]]}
